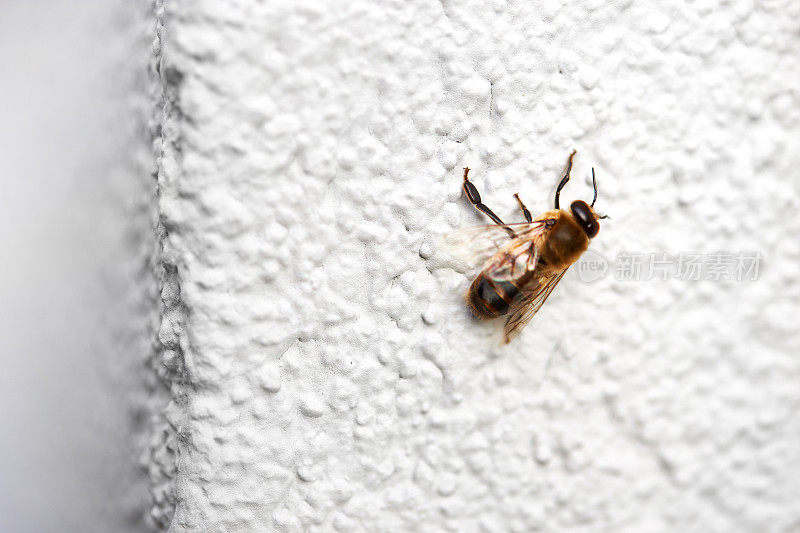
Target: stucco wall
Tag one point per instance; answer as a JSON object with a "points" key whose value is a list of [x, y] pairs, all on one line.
{"points": [[325, 373]]}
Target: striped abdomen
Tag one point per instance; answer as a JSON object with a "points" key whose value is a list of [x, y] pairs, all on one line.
{"points": [[490, 298]]}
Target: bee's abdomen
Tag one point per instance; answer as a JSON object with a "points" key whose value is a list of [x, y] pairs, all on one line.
{"points": [[489, 298]]}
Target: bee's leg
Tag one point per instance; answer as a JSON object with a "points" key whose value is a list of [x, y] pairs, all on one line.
{"points": [[525, 211], [565, 179], [533, 256], [475, 198]]}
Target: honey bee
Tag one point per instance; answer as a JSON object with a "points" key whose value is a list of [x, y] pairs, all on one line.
{"points": [[522, 263]]}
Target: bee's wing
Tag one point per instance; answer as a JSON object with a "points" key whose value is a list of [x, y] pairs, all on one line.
{"points": [[520, 258], [529, 303], [476, 245]]}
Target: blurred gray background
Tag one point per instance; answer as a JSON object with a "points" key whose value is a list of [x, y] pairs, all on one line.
{"points": [[74, 222]]}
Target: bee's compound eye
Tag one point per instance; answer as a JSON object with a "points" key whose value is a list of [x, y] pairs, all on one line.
{"points": [[583, 213]]}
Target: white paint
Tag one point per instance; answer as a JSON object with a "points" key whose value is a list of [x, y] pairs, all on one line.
{"points": [[327, 375], [76, 302]]}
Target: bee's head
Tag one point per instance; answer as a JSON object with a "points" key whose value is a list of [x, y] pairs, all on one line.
{"points": [[585, 213], [586, 217]]}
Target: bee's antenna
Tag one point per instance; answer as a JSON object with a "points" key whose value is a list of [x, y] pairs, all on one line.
{"points": [[565, 179], [594, 184]]}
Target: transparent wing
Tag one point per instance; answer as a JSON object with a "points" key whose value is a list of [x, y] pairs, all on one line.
{"points": [[529, 304], [476, 245], [520, 257]]}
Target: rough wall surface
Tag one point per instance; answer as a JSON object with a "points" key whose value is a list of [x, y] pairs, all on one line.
{"points": [[326, 375]]}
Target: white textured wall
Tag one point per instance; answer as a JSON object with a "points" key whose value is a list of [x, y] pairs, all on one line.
{"points": [[325, 372]]}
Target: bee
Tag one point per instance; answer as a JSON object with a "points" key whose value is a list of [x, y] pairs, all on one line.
{"points": [[523, 262]]}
